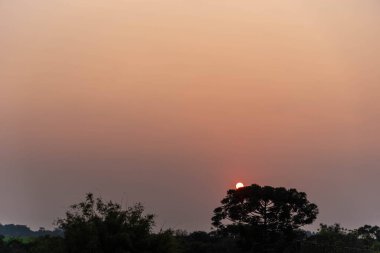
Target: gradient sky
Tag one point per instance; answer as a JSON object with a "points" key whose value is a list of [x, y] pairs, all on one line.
{"points": [[171, 102]]}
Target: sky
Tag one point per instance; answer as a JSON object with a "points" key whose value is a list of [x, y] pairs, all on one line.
{"points": [[171, 102]]}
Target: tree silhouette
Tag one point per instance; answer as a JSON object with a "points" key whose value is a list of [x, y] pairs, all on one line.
{"points": [[99, 227], [263, 216]]}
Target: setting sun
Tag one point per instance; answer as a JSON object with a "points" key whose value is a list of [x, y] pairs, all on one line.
{"points": [[239, 185]]}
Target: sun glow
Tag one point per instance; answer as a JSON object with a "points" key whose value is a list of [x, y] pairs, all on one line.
{"points": [[239, 185]]}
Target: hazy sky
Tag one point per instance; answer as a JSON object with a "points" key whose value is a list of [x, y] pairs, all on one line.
{"points": [[170, 102]]}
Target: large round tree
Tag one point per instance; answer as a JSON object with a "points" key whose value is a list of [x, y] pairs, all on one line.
{"points": [[263, 216]]}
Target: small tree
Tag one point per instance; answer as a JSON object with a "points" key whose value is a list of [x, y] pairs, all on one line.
{"points": [[369, 234], [94, 226], [263, 216], [337, 238]]}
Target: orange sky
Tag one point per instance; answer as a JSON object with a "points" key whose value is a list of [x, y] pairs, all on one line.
{"points": [[171, 102]]}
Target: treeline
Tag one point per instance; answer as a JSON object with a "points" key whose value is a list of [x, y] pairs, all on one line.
{"points": [[328, 239], [12, 230], [363, 239], [250, 219]]}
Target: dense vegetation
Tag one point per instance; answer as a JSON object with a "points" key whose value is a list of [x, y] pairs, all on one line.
{"points": [[250, 219]]}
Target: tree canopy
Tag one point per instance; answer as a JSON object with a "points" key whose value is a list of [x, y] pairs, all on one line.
{"points": [[98, 227], [264, 215]]}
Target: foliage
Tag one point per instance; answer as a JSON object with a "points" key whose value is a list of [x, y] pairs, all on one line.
{"points": [[47, 244], [202, 242], [263, 217], [95, 226], [368, 234], [251, 219], [336, 237], [164, 242]]}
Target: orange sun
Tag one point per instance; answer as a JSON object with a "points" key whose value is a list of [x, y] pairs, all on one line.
{"points": [[239, 185]]}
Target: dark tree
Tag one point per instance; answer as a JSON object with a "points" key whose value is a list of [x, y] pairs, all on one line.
{"points": [[263, 216], [335, 238], [369, 233], [336, 235], [105, 227]]}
